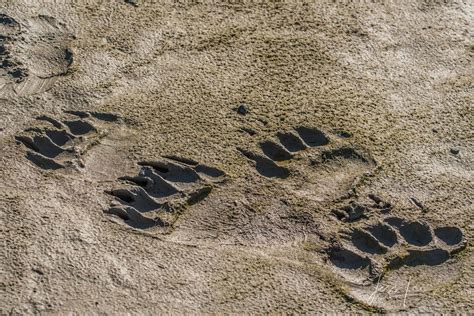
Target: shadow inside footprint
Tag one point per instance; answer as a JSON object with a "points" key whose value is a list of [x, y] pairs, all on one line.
{"points": [[211, 172], [366, 242], [43, 162], [395, 221], [208, 171], [266, 167], [107, 117], [42, 145], [426, 257], [384, 234], [134, 219], [415, 258], [59, 137], [416, 233], [137, 198], [312, 136], [449, 235], [346, 259], [172, 172], [274, 151], [79, 127], [153, 184], [291, 142]]}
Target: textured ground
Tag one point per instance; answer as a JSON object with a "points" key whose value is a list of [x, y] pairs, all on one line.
{"points": [[292, 158]]}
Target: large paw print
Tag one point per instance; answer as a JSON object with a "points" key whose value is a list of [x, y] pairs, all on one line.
{"points": [[162, 190], [311, 163], [53, 144], [367, 251]]}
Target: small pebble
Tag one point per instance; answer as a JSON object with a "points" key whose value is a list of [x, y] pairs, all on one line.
{"points": [[132, 2], [454, 151], [242, 109]]}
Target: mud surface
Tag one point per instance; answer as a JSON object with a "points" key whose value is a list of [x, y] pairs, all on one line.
{"points": [[237, 158]]}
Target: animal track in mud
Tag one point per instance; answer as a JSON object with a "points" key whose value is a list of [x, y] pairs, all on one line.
{"points": [[55, 144], [32, 54], [310, 162], [368, 250], [162, 190]]}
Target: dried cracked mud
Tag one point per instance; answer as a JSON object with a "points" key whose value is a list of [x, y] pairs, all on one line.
{"points": [[236, 157]]}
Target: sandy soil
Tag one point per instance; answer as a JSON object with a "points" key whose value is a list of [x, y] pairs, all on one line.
{"points": [[237, 158]]}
